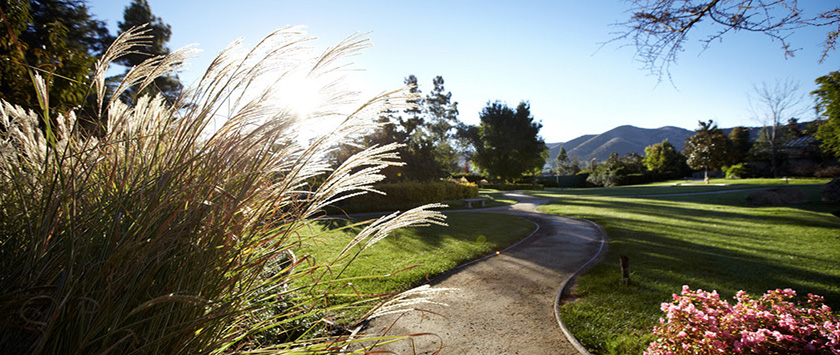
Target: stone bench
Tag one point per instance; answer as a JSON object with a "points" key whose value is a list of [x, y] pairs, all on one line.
{"points": [[469, 201]]}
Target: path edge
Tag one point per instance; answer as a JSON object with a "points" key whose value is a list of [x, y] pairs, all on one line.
{"points": [[567, 283]]}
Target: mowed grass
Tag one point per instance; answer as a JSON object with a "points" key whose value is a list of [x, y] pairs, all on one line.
{"points": [[679, 187], [413, 255], [712, 242]]}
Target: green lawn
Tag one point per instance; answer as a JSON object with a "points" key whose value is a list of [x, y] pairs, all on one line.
{"points": [[713, 242], [678, 187], [433, 250]]}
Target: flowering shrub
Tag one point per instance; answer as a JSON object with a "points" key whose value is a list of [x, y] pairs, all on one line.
{"points": [[701, 323]]}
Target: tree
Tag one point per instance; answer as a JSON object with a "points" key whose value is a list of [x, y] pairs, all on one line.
{"points": [[663, 159], [562, 164], [740, 144], [616, 169], [426, 129], [507, 141], [59, 40], [706, 149], [827, 96], [773, 105], [136, 14], [659, 29], [442, 115]]}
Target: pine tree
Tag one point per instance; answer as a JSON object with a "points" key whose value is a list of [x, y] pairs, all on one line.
{"points": [[508, 143], [562, 165], [136, 14], [442, 117]]}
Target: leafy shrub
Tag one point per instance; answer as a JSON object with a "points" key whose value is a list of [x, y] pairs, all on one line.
{"points": [[563, 181], [828, 172], [510, 187], [604, 178], [165, 236], [738, 171], [638, 179], [405, 195], [473, 178], [701, 323]]}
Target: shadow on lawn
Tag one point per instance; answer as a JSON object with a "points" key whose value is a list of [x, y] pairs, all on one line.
{"points": [[736, 254], [658, 259]]}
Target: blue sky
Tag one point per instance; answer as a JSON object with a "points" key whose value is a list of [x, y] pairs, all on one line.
{"points": [[547, 52]]}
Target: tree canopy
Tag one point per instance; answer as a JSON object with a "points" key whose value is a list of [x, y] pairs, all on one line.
{"points": [[707, 148], [828, 106], [663, 159], [137, 14], [507, 142], [442, 118], [564, 165], [740, 144], [58, 39], [426, 130]]}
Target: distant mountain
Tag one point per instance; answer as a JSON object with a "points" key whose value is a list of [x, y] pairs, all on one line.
{"points": [[627, 139], [622, 140]]}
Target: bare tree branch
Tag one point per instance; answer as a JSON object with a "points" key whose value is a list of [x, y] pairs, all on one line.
{"points": [[659, 28]]}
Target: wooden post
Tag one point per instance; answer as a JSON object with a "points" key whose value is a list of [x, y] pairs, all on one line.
{"points": [[625, 270]]}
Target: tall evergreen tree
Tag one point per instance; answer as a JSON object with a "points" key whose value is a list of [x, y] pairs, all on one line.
{"points": [[136, 14], [442, 117], [562, 163], [507, 143]]}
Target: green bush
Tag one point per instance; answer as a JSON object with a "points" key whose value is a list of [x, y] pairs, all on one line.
{"points": [[405, 195], [738, 171], [638, 179], [604, 178], [563, 181], [473, 178], [174, 232], [510, 187]]}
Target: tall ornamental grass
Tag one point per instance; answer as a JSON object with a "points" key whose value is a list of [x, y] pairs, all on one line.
{"points": [[175, 229]]}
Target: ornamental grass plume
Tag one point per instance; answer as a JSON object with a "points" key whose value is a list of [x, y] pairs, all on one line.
{"points": [[175, 230]]}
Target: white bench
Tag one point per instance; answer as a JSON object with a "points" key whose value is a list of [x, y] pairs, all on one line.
{"points": [[469, 201]]}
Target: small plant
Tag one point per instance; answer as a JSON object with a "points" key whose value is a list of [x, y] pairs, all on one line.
{"points": [[176, 230], [699, 322], [828, 172], [738, 171]]}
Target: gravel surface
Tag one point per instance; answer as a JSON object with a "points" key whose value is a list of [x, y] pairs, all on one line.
{"points": [[505, 303]]}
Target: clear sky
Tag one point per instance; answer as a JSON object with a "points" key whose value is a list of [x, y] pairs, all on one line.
{"points": [[547, 52]]}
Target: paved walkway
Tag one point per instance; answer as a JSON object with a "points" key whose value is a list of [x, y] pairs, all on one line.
{"points": [[505, 303]]}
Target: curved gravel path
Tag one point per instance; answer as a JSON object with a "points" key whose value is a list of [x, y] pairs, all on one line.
{"points": [[504, 303]]}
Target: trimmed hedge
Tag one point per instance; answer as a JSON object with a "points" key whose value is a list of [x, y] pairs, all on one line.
{"points": [[508, 187], [563, 181], [406, 195]]}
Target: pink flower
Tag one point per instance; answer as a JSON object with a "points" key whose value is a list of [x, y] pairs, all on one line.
{"points": [[710, 335], [769, 324]]}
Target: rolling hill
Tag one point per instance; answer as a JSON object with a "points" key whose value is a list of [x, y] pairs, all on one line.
{"points": [[622, 140]]}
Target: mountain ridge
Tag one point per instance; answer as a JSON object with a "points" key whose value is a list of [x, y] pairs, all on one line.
{"points": [[622, 140]]}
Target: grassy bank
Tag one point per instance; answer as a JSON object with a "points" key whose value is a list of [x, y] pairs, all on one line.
{"points": [[705, 241], [426, 252]]}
